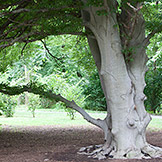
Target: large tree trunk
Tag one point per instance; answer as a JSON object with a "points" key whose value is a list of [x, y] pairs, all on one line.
{"points": [[123, 84], [118, 45]]}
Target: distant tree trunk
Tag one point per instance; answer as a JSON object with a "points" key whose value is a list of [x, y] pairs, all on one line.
{"points": [[19, 100], [122, 79], [27, 78], [153, 102]]}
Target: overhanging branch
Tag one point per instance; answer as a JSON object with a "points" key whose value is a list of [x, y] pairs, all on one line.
{"points": [[40, 90], [25, 38]]}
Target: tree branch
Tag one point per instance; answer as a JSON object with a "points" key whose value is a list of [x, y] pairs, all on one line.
{"points": [[134, 9], [146, 41], [23, 49], [11, 41], [13, 4], [56, 59], [22, 10], [133, 20], [15, 19], [40, 89]]}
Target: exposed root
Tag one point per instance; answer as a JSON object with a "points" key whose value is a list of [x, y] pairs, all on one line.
{"points": [[128, 154], [102, 152], [152, 151], [96, 151]]}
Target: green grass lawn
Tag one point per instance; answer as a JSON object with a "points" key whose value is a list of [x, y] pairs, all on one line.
{"points": [[155, 124], [46, 117], [24, 117]]}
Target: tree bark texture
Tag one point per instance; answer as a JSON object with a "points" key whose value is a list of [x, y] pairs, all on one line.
{"points": [[123, 83]]}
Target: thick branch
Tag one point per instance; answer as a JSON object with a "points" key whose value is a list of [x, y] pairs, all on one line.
{"points": [[25, 39], [97, 122], [22, 10], [18, 39], [33, 88]]}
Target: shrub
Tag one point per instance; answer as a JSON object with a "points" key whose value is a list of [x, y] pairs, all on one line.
{"points": [[7, 105], [47, 103], [153, 89]]}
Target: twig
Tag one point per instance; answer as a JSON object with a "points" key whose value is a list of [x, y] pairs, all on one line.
{"points": [[133, 23], [146, 41], [23, 49], [56, 59], [134, 9], [18, 39]]}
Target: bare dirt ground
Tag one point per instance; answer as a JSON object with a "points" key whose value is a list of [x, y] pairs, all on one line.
{"points": [[56, 144]]}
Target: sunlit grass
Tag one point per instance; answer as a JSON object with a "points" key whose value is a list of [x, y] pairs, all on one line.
{"points": [[155, 124], [45, 117], [23, 117]]}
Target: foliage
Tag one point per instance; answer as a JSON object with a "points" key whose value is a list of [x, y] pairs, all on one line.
{"points": [[92, 89], [71, 92], [153, 88], [47, 103], [69, 59], [46, 91], [7, 105], [34, 103], [36, 20], [71, 113], [152, 11], [61, 56]]}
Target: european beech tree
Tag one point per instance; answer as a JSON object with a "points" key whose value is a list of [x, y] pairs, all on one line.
{"points": [[116, 32]]}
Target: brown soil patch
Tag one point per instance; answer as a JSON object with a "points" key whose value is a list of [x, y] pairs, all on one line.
{"points": [[56, 144]]}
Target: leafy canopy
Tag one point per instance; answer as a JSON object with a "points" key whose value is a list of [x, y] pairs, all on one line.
{"points": [[25, 21], [30, 20]]}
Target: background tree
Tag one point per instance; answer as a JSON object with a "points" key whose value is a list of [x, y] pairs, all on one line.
{"points": [[116, 36], [46, 65], [153, 88], [7, 105], [96, 99]]}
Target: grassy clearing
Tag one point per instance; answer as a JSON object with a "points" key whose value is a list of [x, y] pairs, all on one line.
{"points": [[23, 117]]}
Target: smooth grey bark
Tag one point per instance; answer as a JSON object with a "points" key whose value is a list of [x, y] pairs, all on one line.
{"points": [[123, 84], [97, 57]]}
